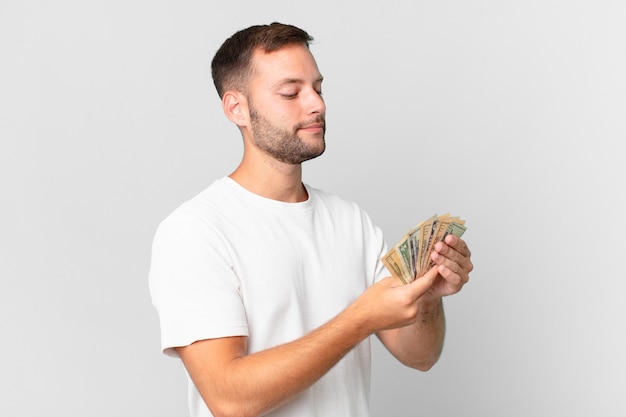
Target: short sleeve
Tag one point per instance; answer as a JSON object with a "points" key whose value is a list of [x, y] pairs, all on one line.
{"points": [[192, 283]]}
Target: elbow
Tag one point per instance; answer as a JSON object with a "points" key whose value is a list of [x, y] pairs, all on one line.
{"points": [[425, 366], [422, 364], [225, 408], [220, 412], [229, 412]]}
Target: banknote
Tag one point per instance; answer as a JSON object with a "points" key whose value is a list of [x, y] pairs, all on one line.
{"points": [[410, 257]]}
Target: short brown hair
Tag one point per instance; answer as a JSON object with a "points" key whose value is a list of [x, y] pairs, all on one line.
{"points": [[231, 64]]}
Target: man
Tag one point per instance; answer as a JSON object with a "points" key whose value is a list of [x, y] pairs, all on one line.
{"points": [[268, 289]]}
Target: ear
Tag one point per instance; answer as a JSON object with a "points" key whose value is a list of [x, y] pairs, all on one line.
{"points": [[235, 107]]}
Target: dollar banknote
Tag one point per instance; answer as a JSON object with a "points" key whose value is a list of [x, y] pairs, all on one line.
{"points": [[410, 257]]}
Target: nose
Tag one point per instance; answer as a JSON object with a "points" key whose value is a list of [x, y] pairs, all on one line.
{"points": [[315, 103]]}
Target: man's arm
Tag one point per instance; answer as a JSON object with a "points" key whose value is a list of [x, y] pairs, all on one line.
{"points": [[233, 382], [419, 344]]}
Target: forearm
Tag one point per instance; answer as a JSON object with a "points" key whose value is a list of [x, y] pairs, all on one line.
{"points": [[233, 382], [254, 384], [419, 344]]}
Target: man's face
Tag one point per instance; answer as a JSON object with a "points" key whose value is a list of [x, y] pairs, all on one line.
{"points": [[287, 113]]}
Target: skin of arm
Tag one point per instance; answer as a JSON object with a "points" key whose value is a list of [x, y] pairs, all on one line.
{"points": [[418, 345], [408, 319]]}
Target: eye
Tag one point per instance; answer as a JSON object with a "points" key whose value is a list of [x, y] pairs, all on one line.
{"points": [[289, 93]]}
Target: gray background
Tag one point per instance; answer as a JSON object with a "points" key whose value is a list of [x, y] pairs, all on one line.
{"points": [[506, 113]]}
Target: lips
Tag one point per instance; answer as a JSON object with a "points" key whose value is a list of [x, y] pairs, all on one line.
{"points": [[313, 126]]}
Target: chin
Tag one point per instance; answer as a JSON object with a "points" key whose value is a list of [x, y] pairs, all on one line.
{"points": [[313, 155]]}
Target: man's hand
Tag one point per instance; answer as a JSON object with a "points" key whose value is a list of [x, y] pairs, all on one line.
{"points": [[389, 304], [453, 263]]}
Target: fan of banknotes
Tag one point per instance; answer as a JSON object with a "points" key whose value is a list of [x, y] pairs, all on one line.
{"points": [[410, 257]]}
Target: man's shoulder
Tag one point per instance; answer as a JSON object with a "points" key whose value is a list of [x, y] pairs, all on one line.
{"points": [[207, 205]]}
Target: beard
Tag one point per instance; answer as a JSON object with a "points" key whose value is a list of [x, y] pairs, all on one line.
{"points": [[285, 145]]}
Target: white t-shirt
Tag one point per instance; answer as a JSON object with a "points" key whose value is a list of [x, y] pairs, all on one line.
{"points": [[232, 263]]}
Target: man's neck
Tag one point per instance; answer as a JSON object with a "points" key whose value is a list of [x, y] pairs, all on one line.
{"points": [[272, 179]]}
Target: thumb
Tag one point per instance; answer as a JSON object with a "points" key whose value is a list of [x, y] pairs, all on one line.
{"points": [[422, 284]]}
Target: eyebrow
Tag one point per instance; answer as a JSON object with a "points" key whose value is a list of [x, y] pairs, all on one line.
{"points": [[295, 81]]}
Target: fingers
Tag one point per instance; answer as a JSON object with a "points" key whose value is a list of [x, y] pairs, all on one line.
{"points": [[458, 244], [390, 304], [455, 250], [452, 258]]}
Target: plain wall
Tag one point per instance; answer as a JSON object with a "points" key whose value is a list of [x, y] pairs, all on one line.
{"points": [[509, 114]]}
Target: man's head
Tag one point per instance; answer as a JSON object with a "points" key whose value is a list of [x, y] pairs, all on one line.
{"points": [[270, 87], [231, 65]]}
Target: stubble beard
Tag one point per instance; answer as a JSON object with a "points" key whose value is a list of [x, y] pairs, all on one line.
{"points": [[285, 145]]}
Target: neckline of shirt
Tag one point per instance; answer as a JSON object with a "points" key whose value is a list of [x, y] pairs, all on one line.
{"points": [[268, 202]]}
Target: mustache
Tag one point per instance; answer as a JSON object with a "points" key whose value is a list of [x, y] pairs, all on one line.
{"points": [[318, 120]]}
